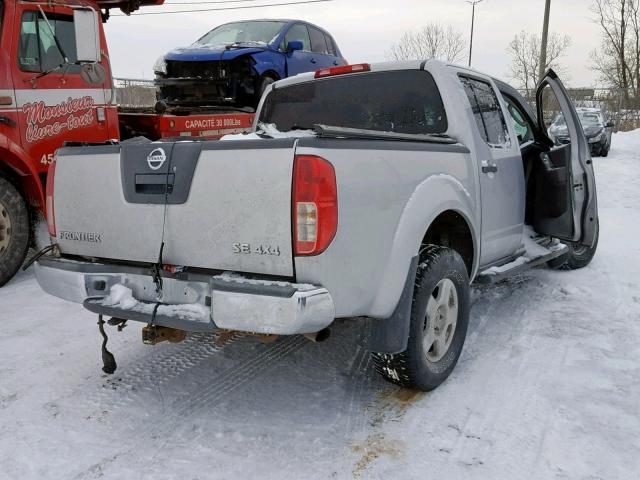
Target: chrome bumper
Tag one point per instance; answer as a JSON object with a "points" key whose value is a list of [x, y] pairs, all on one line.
{"points": [[192, 302]]}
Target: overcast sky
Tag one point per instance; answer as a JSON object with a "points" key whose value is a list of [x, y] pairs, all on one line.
{"points": [[365, 29]]}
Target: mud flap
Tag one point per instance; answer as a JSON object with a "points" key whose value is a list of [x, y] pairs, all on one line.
{"points": [[390, 335]]}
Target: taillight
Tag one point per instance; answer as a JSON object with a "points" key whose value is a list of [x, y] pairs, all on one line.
{"points": [[51, 221], [333, 71], [315, 205]]}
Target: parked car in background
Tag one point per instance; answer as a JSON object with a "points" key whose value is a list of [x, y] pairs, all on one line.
{"points": [[234, 63], [597, 128]]}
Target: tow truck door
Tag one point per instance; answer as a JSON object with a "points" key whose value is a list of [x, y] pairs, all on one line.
{"points": [[9, 125], [575, 214], [57, 106]]}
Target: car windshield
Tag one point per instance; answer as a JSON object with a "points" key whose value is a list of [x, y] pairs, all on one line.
{"points": [[589, 119], [242, 32], [364, 101]]}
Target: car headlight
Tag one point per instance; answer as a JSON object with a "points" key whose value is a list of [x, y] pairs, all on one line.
{"points": [[160, 66]]}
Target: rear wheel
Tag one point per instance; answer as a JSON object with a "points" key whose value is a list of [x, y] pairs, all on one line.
{"points": [[14, 230], [439, 318]]}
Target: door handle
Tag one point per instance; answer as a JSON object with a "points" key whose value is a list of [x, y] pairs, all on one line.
{"points": [[7, 121], [313, 60], [335, 62], [489, 167]]}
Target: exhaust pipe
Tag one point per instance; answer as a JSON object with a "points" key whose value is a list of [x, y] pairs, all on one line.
{"points": [[320, 336]]}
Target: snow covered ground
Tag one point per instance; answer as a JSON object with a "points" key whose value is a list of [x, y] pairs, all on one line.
{"points": [[548, 386]]}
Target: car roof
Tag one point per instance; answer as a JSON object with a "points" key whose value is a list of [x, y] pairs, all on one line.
{"points": [[284, 20]]}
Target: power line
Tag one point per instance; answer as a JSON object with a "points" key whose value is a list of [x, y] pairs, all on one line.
{"points": [[206, 2], [224, 8]]}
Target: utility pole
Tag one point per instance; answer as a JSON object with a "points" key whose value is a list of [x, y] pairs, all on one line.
{"points": [[545, 36], [473, 17]]}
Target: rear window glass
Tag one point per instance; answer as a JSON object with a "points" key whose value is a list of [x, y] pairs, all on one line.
{"points": [[406, 101], [318, 42]]}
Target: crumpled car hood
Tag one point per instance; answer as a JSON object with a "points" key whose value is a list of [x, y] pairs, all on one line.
{"points": [[201, 53]]}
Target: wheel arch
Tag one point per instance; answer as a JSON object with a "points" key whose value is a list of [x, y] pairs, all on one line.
{"points": [[441, 201], [16, 167], [451, 229]]}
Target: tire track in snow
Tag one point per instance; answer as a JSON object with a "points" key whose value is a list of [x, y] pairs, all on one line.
{"points": [[358, 398], [145, 374], [180, 411], [473, 442], [236, 376]]}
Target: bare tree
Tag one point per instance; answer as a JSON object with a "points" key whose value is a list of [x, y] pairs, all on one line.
{"points": [[618, 58], [525, 58], [432, 41]]}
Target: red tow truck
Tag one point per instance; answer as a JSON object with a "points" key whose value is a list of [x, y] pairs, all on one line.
{"points": [[56, 86]]}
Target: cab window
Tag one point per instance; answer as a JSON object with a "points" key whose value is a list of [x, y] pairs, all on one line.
{"points": [[487, 112], [37, 49], [523, 128], [299, 32]]}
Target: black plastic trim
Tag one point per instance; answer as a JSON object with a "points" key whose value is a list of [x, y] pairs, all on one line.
{"points": [[392, 334], [384, 145]]}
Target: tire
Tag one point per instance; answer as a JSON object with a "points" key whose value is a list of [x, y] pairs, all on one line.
{"points": [[605, 151], [442, 283], [262, 86], [14, 231], [579, 256]]}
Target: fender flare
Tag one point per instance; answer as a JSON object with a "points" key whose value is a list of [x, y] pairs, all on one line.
{"points": [[435, 195], [432, 197], [13, 156]]}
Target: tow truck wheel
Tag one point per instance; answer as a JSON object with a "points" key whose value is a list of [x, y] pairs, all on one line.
{"points": [[439, 319], [14, 230]]}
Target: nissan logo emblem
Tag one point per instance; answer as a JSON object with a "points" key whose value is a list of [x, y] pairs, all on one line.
{"points": [[156, 159]]}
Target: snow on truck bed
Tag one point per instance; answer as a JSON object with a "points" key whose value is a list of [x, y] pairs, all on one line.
{"points": [[548, 385], [270, 131]]}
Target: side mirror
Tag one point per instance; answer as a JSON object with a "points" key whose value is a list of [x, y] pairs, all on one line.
{"points": [[609, 124], [295, 45], [85, 21]]}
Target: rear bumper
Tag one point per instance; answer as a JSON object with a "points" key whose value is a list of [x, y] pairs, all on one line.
{"points": [[192, 302]]}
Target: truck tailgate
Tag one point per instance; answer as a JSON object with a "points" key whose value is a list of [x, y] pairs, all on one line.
{"points": [[228, 205]]}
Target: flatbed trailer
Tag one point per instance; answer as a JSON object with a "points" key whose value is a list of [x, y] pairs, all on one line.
{"points": [[210, 126]]}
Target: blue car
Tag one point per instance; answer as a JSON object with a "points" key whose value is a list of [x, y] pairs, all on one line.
{"points": [[234, 63]]}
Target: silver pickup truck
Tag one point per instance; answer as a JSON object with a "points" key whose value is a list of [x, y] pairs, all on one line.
{"points": [[392, 188]]}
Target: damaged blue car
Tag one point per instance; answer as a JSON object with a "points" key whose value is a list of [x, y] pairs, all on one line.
{"points": [[233, 64]]}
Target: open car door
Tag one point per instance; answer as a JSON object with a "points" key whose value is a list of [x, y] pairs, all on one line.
{"points": [[565, 197]]}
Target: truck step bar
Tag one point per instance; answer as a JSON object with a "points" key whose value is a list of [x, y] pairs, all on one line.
{"points": [[519, 265]]}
